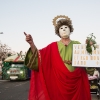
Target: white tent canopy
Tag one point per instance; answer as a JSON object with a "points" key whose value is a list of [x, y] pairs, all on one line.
{"points": [[15, 58]]}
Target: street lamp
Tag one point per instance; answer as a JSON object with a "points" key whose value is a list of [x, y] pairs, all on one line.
{"points": [[1, 32]]}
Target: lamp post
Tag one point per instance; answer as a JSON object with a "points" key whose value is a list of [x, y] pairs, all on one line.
{"points": [[1, 32]]}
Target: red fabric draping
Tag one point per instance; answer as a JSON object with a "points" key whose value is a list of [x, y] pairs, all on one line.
{"points": [[55, 82]]}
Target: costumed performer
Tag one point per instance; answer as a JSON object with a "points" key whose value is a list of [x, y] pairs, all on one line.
{"points": [[53, 77]]}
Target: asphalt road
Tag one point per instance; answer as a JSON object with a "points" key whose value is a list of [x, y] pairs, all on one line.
{"points": [[14, 90], [17, 90]]}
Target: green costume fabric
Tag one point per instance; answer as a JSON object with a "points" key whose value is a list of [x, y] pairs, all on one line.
{"points": [[65, 53], [31, 59]]}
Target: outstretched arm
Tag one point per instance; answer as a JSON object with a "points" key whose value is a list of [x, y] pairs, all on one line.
{"points": [[29, 39], [31, 59]]}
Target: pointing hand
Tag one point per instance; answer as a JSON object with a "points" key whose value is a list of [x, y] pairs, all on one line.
{"points": [[29, 38]]}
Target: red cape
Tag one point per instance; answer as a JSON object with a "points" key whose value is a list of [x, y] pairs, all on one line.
{"points": [[54, 81]]}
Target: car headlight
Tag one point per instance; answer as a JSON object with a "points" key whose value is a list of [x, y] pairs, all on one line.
{"points": [[8, 72], [21, 72]]}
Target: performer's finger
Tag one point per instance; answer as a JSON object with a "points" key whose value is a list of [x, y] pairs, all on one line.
{"points": [[25, 33]]}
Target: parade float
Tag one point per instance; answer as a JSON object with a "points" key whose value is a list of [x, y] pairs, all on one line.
{"points": [[14, 68]]}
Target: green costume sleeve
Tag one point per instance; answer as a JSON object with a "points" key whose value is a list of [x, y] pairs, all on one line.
{"points": [[31, 59], [76, 42]]}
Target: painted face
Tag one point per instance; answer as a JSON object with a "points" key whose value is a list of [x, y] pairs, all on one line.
{"points": [[64, 31]]}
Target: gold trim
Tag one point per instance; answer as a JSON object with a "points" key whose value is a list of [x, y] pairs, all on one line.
{"points": [[59, 16]]}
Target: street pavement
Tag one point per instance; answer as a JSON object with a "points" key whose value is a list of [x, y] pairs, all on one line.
{"points": [[14, 90], [18, 90]]}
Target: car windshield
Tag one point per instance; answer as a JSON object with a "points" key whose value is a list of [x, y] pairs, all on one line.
{"points": [[17, 65]]}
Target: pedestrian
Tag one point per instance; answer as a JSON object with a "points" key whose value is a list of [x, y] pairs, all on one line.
{"points": [[53, 77]]}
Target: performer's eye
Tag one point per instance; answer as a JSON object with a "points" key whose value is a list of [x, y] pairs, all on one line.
{"points": [[61, 28], [65, 27]]}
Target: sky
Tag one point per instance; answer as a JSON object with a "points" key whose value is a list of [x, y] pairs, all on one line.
{"points": [[35, 17]]}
